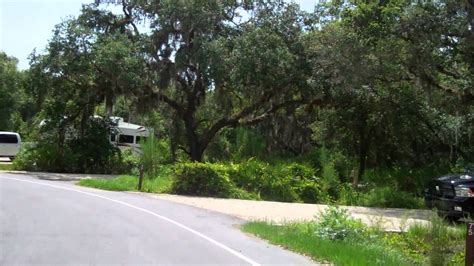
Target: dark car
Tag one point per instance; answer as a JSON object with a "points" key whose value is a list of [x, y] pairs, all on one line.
{"points": [[452, 195]]}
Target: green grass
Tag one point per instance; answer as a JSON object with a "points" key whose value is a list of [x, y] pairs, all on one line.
{"points": [[440, 244], [160, 184], [300, 238], [6, 167]]}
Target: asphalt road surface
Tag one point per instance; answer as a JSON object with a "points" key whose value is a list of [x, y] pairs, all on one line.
{"points": [[58, 223]]}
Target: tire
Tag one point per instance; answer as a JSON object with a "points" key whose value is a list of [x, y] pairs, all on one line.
{"points": [[448, 218], [452, 219]]}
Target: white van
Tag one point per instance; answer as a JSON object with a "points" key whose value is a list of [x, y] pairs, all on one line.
{"points": [[9, 144]]}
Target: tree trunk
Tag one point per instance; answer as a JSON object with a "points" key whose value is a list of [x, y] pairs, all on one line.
{"points": [[363, 147], [194, 144], [109, 105]]}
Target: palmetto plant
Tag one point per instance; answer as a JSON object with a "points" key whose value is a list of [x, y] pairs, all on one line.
{"points": [[150, 156]]}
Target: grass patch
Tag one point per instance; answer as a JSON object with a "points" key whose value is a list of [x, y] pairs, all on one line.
{"points": [[300, 238], [6, 167], [338, 239], [159, 184]]}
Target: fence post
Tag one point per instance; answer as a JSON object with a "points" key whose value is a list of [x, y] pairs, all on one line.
{"points": [[140, 178], [470, 244]]}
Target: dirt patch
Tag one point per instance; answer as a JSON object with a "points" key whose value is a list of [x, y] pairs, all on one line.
{"points": [[282, 212]]}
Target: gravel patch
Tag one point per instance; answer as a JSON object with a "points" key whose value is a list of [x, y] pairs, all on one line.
{"points": [[281, 212]]}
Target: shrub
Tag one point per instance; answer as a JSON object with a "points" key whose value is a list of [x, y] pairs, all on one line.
{"points": [[329, 175], [205, 179], [44, 157], [311, 192], [348, 195], [390, 197], [283, 182], [409, 180], [336, 224], [88, 151], [301, 183], [250, 175], [128, 163]]}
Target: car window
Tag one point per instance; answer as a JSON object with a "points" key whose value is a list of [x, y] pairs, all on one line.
{"points": [[125, 139], [8, 138]]}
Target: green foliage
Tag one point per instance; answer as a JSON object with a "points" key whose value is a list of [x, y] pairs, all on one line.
{"points": [[204, 179], [386, 88], [247, 144], [160, 184], [154, 152], [438, 232], [437, 243], [291, 182], [329, 173], [9, 89], [86, 152], [337, 238], [287, 182], [336, 224], [130, 163], [390, 197], [410, 180], [379, 196], [6, 167], [301, 238], [348, 195]]}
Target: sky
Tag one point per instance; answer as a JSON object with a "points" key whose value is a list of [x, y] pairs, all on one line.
{"points": [[28, 24]]}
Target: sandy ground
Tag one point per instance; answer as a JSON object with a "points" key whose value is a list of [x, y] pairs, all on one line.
{"points": [[280, 212]]}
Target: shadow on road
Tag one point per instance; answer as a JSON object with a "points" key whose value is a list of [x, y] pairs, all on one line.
{"points": [[61, 176]]}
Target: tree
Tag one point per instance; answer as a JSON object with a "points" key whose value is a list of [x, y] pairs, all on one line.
{"points": [[201, 59], [10, 82], [396, 80]]}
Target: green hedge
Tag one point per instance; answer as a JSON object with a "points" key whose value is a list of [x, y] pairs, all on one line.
{"points": [[253, 179], [205, 179]]}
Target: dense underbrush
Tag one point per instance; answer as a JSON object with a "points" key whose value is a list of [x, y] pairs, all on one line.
{"points": [[287, 182]]}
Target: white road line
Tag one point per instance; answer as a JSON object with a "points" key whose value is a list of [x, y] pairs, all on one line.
{"points": [[228, 249]]}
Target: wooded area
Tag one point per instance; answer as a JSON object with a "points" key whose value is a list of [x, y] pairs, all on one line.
{"points": [[376, 84]]}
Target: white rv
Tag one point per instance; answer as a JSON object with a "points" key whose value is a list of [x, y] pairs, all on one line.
{"points": [[10, 143], [128, 135]]}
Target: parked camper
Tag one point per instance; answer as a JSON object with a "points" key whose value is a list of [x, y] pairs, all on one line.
{"points": [[10, 143], [128, 135], [124, 135]]}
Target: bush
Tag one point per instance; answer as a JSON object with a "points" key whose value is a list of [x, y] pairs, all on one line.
{"points": [[205, 179], [409, 180], [87, 152], [390, 197], [128, 163], [348, 195], [43, 157], [283, 182], [250, 175], [336, 224]]}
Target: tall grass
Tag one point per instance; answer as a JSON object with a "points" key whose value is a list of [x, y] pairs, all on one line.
{"points": [[300, 238], [161, 183], [6, 167]]}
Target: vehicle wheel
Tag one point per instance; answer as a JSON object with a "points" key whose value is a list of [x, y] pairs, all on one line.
{"points": [[452, 219], [447, 217]]}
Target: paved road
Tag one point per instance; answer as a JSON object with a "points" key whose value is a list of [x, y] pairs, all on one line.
{"points": [[55, 222]]}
